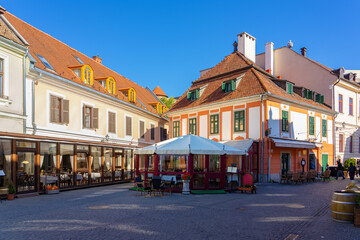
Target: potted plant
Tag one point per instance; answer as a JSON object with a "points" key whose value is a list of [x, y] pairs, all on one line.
{"points": [[357, 212], [11, 191], [186, 177]]}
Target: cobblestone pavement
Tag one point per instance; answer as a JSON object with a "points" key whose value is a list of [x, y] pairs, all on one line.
{"points": [[113, 212]]}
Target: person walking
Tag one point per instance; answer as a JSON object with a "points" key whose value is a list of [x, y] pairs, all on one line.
{"points": [[351, 171], [340, 169]]}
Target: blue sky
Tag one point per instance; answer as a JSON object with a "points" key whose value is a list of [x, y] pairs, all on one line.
{"points": [[167, 43]]}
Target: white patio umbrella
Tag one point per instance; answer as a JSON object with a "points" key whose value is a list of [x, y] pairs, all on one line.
{"points": [[190, 144]]}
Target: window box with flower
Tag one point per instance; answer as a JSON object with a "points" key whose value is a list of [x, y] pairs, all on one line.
{"points": [[186, 177]]}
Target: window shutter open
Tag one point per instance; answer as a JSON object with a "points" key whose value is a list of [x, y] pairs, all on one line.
{"points": [[53, 100], [188, 95], [128, 126], [142, 129], [95, 118], [197, 93], [112, 122], [84, 122], [65, 111], [233, 85], [223, 86]]}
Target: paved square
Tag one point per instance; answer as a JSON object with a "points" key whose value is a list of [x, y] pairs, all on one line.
{"points": [[113, 212]]}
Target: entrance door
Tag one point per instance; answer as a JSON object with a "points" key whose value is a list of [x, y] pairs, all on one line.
{"points": [[285, 162], [207, 172], [25, 172], [324, 158]]}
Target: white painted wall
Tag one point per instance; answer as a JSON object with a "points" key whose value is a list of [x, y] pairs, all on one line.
{"points": [[299, 125], [203, 126], [226, 126], [273, 123], [184, 123], [254, 122], [344, 116]]}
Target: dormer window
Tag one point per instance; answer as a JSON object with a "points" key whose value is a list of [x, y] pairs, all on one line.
{"points": [[164, 108], [308, 94], [158, 107], [228, 86], [130, 93], [108, 83], [84, 72], [193, 95], [319, 98], [290, 88]]}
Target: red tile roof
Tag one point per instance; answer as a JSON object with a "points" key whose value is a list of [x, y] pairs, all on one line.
{"points": [[60, 56], [253, 82], [159, 92]]}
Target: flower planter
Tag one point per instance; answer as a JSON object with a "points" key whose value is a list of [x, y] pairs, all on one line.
{"points": [[52, 191], [10, 196], [247, 189], [186, 189]]}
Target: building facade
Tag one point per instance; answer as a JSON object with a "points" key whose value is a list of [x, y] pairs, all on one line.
{"points": [[338, 87], [238, 100], [82, 120]]}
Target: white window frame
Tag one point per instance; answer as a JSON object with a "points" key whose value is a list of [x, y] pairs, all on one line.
{"points": [[6, 83], [87, 130], [54, 126]]}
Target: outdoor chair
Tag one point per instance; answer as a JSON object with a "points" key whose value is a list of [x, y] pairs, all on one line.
{"points": [[312, 175], [169, 185], [283, 177], [141, 187], [289, 176], [303, 177], [295, 178], [157, 186], [326, 175]]}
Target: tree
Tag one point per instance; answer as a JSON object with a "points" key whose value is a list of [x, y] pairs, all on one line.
{"points": [[169, 102]]}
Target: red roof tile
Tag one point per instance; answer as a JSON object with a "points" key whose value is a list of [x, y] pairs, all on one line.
{"points": [[60, 56], [159, 92]]}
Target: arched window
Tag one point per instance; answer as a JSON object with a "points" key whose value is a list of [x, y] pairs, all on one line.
{"points": [[132, 95], [87, 75], [110, 83]]}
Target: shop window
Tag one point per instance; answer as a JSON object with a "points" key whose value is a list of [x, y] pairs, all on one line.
{"points": [[90, 117], [59, 110], [192, 126], [284, 121], [239, 121], [176, 128], [311, 126], [172, 163], [108, 156], [112, 122], [96, 164], [66, 165], [5, 165], [214, 124], [214, 163], [199, 163], [324, 128], [152, 131], [128, 122], [48, 158]]}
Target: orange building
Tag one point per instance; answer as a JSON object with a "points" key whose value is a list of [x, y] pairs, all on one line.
{"points": [[237, 100]]}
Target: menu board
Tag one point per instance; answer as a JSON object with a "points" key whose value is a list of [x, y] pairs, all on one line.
{"points": [[232, 169]]}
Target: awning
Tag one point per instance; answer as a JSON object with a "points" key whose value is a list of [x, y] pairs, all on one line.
{"points": [[293, 143], [242, 145]]}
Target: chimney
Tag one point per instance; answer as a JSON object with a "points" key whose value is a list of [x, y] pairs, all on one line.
{"points": [[269, 57], [303, 51], [97, 59], [246, 45], [2, 10]]}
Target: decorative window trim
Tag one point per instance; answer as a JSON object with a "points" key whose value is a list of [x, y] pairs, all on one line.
{"points": [[285, 121], [192, 123], [240, 119], [176, 129], [311, 126], [216, 121]]}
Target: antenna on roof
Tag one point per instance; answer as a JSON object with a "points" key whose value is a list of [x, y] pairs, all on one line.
{"points": [[290, 44]]}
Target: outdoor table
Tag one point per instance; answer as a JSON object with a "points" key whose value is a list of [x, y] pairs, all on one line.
{"points": [[95, 175], [48, 179]]}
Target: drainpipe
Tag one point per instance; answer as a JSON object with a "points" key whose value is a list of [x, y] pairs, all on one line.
{"points": [[333, 108], [262, 139], [24, 89], [33, 103]]}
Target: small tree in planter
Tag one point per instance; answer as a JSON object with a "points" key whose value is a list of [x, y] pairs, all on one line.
{"points": [[11, 191], [357, 212]]}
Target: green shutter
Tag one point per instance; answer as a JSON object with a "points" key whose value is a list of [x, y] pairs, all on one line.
{"points": [[311, 126], [223, 86], [188, 95], [197, 92], [310, 95], [305, 93], [285, 121], [321, 99], [324, 128], [233, 85]]}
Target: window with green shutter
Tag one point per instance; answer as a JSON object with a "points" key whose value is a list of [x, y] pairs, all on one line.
{"points": [[193, 95], [311, 126], [214, 124], [305, 93], [239, 121], [324, 128], [284, 121], [228, 86], [310, 95], [192, 126], [289, 87]]}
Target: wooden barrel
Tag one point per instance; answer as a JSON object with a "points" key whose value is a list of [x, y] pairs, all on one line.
{"points": [[342, 206]]}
